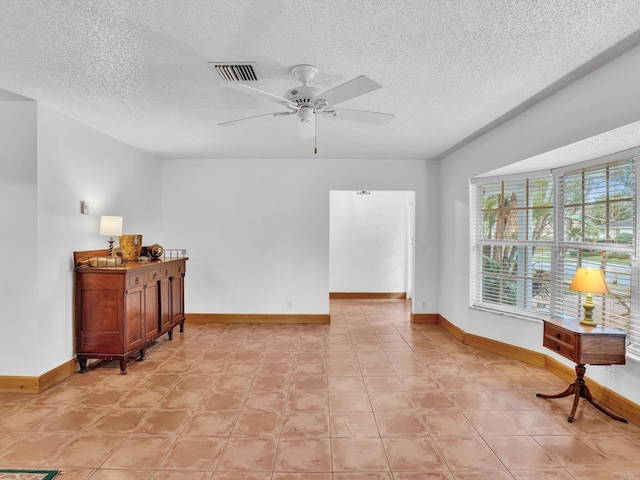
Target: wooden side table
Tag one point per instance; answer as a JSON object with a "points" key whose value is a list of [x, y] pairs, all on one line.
{"points": [[584, 345]]}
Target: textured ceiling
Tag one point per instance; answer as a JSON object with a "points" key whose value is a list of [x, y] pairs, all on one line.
{"points": [[450, 69], [624, 138]]}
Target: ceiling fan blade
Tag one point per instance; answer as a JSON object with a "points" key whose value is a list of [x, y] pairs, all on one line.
{"points": [[363, 116], [348, 90], [272, 114], [241, 87]]}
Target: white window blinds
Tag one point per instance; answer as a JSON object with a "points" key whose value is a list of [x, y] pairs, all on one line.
{"points": [[596, 218], [530, 235], [512, 236]]}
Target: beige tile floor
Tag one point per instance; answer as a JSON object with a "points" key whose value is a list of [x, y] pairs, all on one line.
{"points": [[368, 397]]}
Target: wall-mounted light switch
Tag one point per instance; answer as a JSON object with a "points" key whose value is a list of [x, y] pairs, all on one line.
{"points": [[84, 207]]}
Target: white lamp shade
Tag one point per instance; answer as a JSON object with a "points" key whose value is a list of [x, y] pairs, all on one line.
{"points": [[110, 225]]}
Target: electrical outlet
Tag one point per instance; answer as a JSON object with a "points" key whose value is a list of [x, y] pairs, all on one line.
{"points": [[424, 304], [611, 371], [84, 207], [289, 304]]}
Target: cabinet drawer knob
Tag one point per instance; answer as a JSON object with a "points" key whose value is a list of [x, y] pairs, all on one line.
{"points": [[557, 348], [557, 335], [137, 281], [166, 272], [179, 269], [155, 275]]}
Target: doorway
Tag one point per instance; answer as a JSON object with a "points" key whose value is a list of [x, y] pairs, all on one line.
{"points": [[371, 242]]}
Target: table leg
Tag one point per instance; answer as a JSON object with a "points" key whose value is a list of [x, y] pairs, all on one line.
{"points": [[587, 395], [581, 390], [571, 389]]}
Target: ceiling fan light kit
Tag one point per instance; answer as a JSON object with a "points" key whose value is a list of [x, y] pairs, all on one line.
{"points": [[306, 102]]}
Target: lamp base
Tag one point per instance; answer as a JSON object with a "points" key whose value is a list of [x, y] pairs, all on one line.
{"points": [[588, 311], [589, 322]]}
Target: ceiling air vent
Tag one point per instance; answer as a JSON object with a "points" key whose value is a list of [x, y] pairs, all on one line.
{"points": [[236, 72]]}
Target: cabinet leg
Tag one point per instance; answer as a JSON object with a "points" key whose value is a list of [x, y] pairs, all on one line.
{"points": [[182, 326], [83, 365], [170, 334], [141, 357], [123, 366]]}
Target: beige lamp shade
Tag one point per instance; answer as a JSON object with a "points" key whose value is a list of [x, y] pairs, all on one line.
{"points": [[110, 225], [589, 280]]}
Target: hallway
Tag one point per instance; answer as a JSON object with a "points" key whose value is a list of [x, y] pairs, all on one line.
{"points": [[369, 397]]}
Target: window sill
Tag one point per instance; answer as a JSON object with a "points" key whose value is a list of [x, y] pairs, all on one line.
{"points": [[510, 313], [633, 356]]}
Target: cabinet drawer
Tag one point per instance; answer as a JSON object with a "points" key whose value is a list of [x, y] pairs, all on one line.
{"points": [[136, 280], [160, 273], [180, 268], [166, 271], [564, 349], [559, 335], [154, 275]]}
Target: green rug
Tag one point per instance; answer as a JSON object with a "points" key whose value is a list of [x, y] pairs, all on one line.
{"points": [[28, 474]]}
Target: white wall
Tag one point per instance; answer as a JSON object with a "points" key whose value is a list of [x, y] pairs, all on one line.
{"points": [[604, 100], [41, 202], [368, 242], [257, 231], [18, 217], [76, 162]]}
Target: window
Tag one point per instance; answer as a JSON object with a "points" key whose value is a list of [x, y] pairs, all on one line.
{"points": [[530, 234], [513, 239], [597, 216]]}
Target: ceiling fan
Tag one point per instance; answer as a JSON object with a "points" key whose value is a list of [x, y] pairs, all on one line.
{"points": [[307, 102]]}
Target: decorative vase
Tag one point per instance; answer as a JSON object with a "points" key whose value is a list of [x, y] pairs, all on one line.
{"points": [[155, 251], [130, 246]]}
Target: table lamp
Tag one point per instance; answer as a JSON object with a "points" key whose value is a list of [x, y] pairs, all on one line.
{"points": [[112, 226], [589, 280]]}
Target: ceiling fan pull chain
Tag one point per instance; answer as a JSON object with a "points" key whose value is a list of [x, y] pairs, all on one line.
{"points": [[315, 133]]}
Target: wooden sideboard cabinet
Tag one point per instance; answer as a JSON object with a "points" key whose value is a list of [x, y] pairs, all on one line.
{"points": [[120, 310], [584, 345]]}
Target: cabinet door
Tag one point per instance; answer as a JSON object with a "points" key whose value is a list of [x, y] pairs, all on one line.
{"points": [[100, 325], [152, 310], [177, 299], [134, 318]]}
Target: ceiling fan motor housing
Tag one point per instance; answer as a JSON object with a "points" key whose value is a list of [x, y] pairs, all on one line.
{"points": [[302, 95]]}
